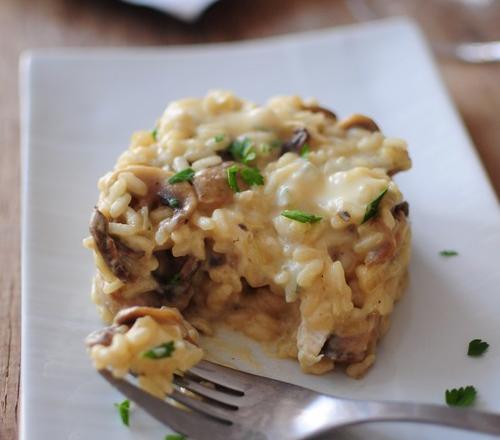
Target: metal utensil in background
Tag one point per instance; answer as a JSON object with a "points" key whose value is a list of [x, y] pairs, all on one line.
{"points": [[465, 30]]}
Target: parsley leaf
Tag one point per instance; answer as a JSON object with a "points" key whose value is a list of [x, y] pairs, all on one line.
{"points": [[175, 437], [447, 253], [232, 171], [242, 150], [124, 411], [219, 138], [477, 347], [463, 396], [372, 208], [154, 133], [252, 176], [161, 351], [305, 150], [173, 202], [174, 280], [182, 176], [301, 216]]}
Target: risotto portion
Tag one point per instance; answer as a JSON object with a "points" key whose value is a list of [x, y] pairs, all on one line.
{"points": [[151, 343], [281, 221]]}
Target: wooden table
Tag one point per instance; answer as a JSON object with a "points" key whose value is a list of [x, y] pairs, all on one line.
{"points": [[50, 23]]}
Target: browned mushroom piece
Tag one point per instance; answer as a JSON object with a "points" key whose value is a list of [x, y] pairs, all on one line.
{"points": [[354, 347], [401, 209], [175, 278], [212, 188], [118, 257], [154, 178], [181, 197], [103, 336], [162, 315], [359, 121], [317, 109], [300, 137], [383, 252]]}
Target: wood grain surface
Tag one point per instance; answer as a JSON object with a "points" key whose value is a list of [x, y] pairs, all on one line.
{"points": [[27, 24]]}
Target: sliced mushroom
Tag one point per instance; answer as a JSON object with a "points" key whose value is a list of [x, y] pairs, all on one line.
{"points": [[103, 336], [382, 253], [182, 199], [401, 209], [212, 188], [126, 318], [317, 109], [175, 278], [154, 178], [354, 347], [359, 121], [163, 315], [300, 137], [118, 257]]}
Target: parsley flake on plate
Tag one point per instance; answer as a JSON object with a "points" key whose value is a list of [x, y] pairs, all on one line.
{"points": [[463, 396], [124, 411], [154, 133], [372, 208], [160, 351], [182, 176], [175, 437], [477, 347], [242, 150], [219, 138], [301, 216], [448, 253]]}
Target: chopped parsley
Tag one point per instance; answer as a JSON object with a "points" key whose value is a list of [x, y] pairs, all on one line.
{"points": [[175, 437], [174, 280], [154, 133], [173, 202], [301, 216], [463, 396], [232, 180], [252, 176], [161, 351], [219, 138], [242, 150], [182, 176], [448, 253], [305, 150], [124, 411], [477, 347], [268, 147], [372, 208]]}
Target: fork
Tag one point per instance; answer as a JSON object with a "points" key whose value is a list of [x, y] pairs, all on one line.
{"points": [[219, 403]]}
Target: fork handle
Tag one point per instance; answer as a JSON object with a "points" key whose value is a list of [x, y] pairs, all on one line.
{"points": [[351, 412]]}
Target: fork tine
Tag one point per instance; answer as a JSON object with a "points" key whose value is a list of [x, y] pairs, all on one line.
{"points": [[223, 376], [191, 424], [202, 407], [209, 393]]}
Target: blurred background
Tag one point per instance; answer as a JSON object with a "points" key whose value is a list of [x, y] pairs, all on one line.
{"points": [[462, 34]]}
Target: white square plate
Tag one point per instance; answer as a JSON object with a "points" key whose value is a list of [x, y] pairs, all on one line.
{"points": [[79, 108]]}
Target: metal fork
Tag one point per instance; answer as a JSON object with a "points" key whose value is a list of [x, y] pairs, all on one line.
{"points": [[222, 403]]}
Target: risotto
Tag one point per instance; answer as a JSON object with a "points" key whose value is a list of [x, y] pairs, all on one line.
{"points": [[281, 221]]}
